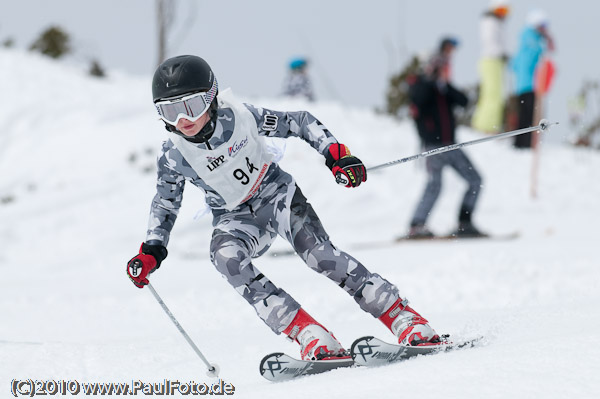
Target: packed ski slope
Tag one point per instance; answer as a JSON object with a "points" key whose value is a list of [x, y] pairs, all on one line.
{"points": [[77, 158]]}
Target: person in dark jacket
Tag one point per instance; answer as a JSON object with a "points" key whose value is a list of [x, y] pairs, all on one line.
{"points": [[434, 99]]}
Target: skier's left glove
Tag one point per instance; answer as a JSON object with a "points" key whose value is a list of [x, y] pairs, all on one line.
{"points": [[347, 169], [144, 263]]}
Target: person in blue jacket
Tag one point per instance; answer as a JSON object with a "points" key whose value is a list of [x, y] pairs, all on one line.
{"points": [[535, 40], [298, 83]]}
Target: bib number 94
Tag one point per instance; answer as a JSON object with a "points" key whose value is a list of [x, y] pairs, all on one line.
{"points": [[242, 176]]}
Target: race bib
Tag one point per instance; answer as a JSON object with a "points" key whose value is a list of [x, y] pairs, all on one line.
{"points": [[236, 168]]}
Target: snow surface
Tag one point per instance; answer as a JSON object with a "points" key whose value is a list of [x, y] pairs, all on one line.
{"points": [[77, 159]]}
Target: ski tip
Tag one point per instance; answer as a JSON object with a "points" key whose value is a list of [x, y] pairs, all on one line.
{"points": [[270, 355], [359, 341], [261, 367]]}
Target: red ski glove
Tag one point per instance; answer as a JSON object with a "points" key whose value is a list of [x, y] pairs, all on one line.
{"points": [[146, 262], [347, 169]]}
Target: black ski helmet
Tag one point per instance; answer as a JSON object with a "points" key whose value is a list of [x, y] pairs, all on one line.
{"points": [[182, 75]]}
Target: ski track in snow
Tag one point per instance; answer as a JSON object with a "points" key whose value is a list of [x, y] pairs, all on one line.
{"points": [[74, 155]]}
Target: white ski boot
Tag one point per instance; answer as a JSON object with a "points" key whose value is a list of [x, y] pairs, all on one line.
{"points": [[316, 343], [409, 326]]}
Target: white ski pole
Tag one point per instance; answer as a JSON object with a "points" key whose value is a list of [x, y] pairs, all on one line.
{"points": [[543, 126], [213, 369]]}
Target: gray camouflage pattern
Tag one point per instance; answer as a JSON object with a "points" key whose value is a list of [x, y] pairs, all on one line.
{"points": [[277, 208], [281, 209], [174, 171]]}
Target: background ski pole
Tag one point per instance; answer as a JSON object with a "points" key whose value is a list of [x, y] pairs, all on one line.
{"points": [[213, 369], [544, 125]]}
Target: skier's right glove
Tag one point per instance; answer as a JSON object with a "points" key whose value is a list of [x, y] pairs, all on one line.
{"points": [[144, 263]]}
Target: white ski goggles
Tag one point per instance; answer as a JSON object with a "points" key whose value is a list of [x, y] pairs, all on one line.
{"points": [[190, 107]]}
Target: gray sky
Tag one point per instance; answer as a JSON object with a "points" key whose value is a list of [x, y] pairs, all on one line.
{"points": [[354, 46]]}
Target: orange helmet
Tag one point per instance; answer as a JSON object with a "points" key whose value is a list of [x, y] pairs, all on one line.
{"points": [[500, 8]]}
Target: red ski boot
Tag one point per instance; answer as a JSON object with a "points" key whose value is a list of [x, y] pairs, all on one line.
{"points": [[316, 343], [406, 324]]}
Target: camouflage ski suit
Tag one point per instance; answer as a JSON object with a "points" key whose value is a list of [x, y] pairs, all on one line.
{"points": [[277, 207]]}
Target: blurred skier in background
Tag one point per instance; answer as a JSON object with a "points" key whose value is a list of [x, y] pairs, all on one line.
{"points": [[297, 82], [489, 112], [434, 98], [534, 41], [216, 143]]}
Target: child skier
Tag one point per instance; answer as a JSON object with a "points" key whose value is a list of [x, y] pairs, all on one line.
{"points": [[216, 144]]}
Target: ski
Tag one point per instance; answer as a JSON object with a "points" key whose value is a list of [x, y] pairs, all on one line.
{"points": [[366, 351], [406, 239], [371, 351], [453, 237], [279, 367]]}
